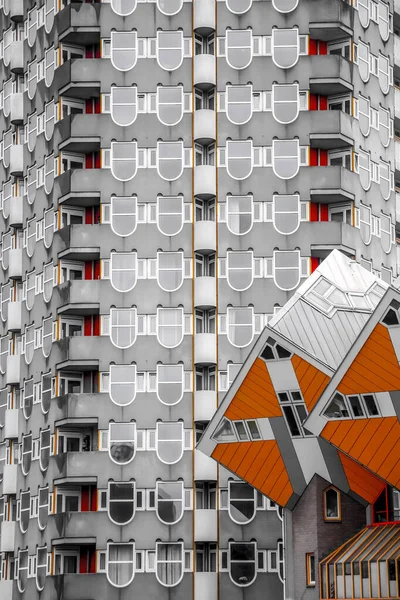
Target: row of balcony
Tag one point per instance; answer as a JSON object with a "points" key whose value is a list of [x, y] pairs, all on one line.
{"points": [[80, 133], [328, 74], [79, 348], [325, 183], [205, 529], [205, 402], [330, 21], [81, 464], [80, 22]]}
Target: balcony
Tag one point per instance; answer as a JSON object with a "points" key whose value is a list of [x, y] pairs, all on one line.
{"points": [[205, 292], [17, 56], [204, 16], [81, 353], [205, 349], [332, 184], [74, 78], [14, 320], [331, 22], [16, 160], [204, 71], [78, 23], [13, 372], [78, 524], [206, 525], [80, 242], [16, 217], [10, 475], [205, 405], [204, 126], [15, 264], [79, 298], [206, 586], [82, 406], [205, 468], [7, 536], [17, 108], [79, 133], [335, 75], [80, 465], [331, 129], [83, 144], [205, 182], [319, 238], [17, 10], [81, 187], [205, 236], [11, 421]]}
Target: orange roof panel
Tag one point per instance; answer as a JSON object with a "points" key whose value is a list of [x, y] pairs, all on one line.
{"points": [[381, 451], [362, 482], [375, 368], [311, 380], [260, 464], [255, 398]]}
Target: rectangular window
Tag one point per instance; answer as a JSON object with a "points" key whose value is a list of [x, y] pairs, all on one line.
{"points": [[206, 496], [71, 106], [69, 52], [310, 568], [341, 213], [294, 411], [340, 48], [205, 557], [342, 103], [340, 158], [70, 161]]}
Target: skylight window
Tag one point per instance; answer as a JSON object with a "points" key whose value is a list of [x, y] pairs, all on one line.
{"points": [[237, 431], [354, 407], [328, 297]]}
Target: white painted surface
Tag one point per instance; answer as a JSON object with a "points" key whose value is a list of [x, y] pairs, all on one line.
{"points": [[282, 375], [311, 458], [385, 404]]}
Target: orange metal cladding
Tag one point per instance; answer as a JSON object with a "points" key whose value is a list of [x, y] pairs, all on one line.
{"points": [[312, 381], [361, 481], [260, 464], [255, 398], [376, 367], [374, 442], [381, 451]]}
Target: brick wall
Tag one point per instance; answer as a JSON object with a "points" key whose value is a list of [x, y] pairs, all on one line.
{"points": [[312, 534]]}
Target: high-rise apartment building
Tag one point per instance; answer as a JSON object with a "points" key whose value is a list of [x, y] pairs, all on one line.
{"points": [[171, 171]]}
